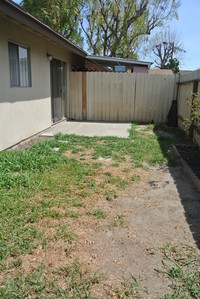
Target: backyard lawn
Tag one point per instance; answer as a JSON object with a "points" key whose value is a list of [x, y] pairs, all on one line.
{"points": [[99, 217]]}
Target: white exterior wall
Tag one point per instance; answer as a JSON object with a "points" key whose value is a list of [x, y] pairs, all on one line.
{"points": [[25, 111]]}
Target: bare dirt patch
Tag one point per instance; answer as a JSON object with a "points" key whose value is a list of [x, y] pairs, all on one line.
{"points": [[156, 213], [157, 210]]}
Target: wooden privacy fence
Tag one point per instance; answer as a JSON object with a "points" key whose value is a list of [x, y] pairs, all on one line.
{"points": [[117, 97]]}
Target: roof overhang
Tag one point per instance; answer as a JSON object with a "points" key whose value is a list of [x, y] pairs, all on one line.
{"points": [[113, 61], [15, 12]]}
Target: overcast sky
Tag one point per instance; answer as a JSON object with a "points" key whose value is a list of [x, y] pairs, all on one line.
{"points": [[188, 26]]}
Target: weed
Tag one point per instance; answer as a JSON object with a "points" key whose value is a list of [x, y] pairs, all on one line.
{"points": [[149, 127], [135, 178], [77, 203], [118, 220], [72, 214], [117, 181], [128, 289], [181, 266], [126, 170], [110, 194], [97, 214], [115, 165], [14, 264], [68, 236]]}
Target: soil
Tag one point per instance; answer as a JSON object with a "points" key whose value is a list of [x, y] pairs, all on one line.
{"points": [[191, 154], [27, 143], [164, 207]]}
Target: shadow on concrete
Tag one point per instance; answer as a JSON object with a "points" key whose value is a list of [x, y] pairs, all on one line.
{"points": [[190, 197]]}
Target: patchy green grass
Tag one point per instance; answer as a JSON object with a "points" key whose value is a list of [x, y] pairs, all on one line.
{"points": [[140, 147], [51, 182], [44, 183], [68, 282], [63, 232], [181, 265], [35, 181], [116, 180], [99, 214]]}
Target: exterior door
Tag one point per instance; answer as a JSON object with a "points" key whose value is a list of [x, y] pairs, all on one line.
{"points": [[57, 89]]}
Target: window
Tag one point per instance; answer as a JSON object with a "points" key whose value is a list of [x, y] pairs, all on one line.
{"points": [[20, 70]]}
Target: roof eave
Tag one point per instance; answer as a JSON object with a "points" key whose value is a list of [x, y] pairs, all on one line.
{"points": [[15, 12], [118, 60]]}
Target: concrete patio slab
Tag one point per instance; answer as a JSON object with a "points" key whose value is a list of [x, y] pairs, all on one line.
{"points": [[89, 129]]}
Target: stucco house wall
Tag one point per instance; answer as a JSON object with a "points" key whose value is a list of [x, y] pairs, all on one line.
{"points": [[25, 111]]}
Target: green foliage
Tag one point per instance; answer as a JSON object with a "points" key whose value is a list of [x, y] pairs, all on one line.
{"points": [[193, 120], [117, 28], [18, 167], [114, 27], [172, 64], [61, 15]]}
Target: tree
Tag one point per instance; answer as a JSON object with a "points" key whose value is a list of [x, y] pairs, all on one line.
{"points": [[118, 27], [61, 15], [168, 49], [173, 64], [193, 120]]}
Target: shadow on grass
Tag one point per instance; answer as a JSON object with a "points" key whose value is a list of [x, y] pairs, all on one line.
{"points": [[189, 196]]}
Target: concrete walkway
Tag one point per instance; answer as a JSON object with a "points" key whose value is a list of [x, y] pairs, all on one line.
{"points": [[89, 129]]}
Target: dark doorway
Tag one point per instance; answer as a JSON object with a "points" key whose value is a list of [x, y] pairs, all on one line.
{"points": [[57, 90]]}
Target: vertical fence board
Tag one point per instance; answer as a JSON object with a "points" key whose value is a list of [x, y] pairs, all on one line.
{"points": [[158, 95], [75, 96], [132, 95], [184, 91]]}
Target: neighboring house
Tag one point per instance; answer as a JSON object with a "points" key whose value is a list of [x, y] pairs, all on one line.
{"points": [[184, 72], [167, 72], [36, 63], [114, 63]]}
